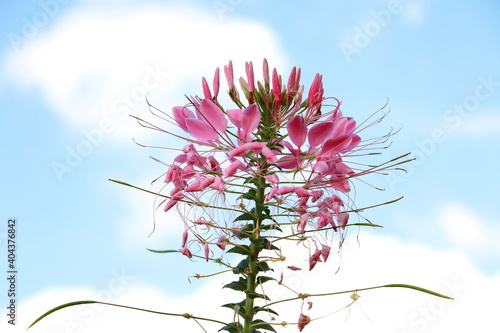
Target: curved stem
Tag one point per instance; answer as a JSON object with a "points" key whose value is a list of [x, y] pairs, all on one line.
{"points": [[395, 285]]}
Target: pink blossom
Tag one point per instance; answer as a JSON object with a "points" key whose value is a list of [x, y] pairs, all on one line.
{"points": [[303, 321], [206, 250], [186, 252], [294, 268], [283, 137]]}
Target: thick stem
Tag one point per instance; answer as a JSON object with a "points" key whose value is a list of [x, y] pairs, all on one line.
{"points": [[253, 258]]}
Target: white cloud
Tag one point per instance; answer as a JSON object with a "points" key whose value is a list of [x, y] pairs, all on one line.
{"points": [[469, 231], [98, 61], [379, 260], [480, 125]]}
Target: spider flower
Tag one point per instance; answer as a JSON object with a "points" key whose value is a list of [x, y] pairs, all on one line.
{"points": [[298, 147]]}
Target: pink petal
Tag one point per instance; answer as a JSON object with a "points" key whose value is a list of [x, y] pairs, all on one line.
{"points": [[302, 192], [343, 219], [228, 71], [321, 167], [265, 71], [206, 250], [218, 184], [181, 113], [247, 147], [294, 268], [200, 129], [273, 179], [269, 155], [335, 145], [339, 128], [206, 90], [355, 140], [170, 203], [250, 118], [250, 75], [276, 83], [288, 162], [216, 83], [319, 133], [303, 321], [285, 190], [186, 252], [232, 168], [297, 130], [325, 251], [221, 242], [303, 222], [213, 115], [184, 238], [235, 116]]}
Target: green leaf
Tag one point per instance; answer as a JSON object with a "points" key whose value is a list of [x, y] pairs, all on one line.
{"points": [[232, 328], [241, 267], [257, 295], [244, 217], [250, 195], [241, 249], [259, 309], [258, 323], [262, 279], [264, 244], [240, 285], [416, 288], [185, 315], [236, 307], [57, 308], [163, 251], [272, 226], [263, 267], [245, 232]]}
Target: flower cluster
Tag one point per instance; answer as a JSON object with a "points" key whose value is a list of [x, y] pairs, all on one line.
{"points": [[294, 146]]}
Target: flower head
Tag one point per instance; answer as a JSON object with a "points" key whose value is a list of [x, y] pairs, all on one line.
{"points": [[298, 148]]}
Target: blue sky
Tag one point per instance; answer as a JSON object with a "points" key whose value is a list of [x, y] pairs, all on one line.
{"points": [[71, 72]]}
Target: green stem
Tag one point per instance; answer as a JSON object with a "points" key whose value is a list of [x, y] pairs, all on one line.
{"points": [[253, 258]]}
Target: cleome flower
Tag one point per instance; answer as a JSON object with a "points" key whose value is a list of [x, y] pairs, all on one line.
{"points": [[297, 146]]}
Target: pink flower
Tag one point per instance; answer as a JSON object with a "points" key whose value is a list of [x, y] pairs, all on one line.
{"points": [[291, 143], [186, 252], [294, 268], [303, 321]]}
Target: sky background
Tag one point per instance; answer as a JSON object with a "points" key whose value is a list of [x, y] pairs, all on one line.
{"points": [[72, 72]]}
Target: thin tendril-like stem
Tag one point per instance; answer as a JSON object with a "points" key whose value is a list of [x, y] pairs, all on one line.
{"points": [[185, 315], [303, 296]]}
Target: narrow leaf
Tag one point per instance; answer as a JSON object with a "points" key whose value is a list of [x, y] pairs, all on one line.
{"points": [[259, 309], [163, 251], [258, 323], [233, 328], [239, 285], [244, 217], [417, 288], [262, 279], [242, 249]]}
